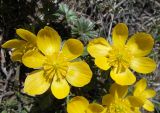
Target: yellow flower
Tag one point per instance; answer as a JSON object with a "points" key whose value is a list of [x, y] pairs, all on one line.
{"points": [[80, 104], [21, 46], [56, 68], [116, 101], [121, 56], [142, 93]]}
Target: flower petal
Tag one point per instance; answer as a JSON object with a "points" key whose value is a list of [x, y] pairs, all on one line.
{"points": [[48, 41], [135, 101], [17, 55], [107, 99], [120, 90], [120, 34], [60, 88], [27, 35], [79, 74], [35, 83], [148, 105], [123, 78], [94, 108], [149, 93], [33, 59], [14, 43], [140, 44], [77, 104], [143, 65], [102, 62], [140, 86], [72, 48], [98, 47]]}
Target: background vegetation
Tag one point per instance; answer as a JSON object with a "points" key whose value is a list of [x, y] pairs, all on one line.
{"points": [[82, 19]]}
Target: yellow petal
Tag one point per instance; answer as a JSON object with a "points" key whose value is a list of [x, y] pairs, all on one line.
{"points": [[33, 59], [140, 44], [60, 88], [17, 55], [27, 35], [35, 83], [79, 74], [148, 93], [124, 78], [107, 99], [120, 34], [98, 47], [148, 105], [135, 101], [72, 48], [14, 43], [102, 63], [94, 108], [143, 65], [48, 41], [77, 104], [140, 86], [120, 90]]}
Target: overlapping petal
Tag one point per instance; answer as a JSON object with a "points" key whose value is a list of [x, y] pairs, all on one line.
{"points": [[48, 41], [98, 47], [124, 78], [33, 59], [79, 74], [102, 63], [120, 34], [149, 106], [14, 43], [60, 88], [72, 49], [107, 99], [77, 104], [140, 86], [27, 35], [17, 55], [35, 83], [143, 64], [120, 90], [140, 44], [94, 108]]}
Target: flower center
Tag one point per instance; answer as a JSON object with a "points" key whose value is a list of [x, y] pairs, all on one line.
{"points": [[119, 57], [55, 65], [118, 106]]}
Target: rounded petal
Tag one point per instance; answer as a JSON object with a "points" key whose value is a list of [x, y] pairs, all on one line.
{"points": [[120, 90], [48, 41], [148, 105], [35, 83], [98, 47], [79, 74], [143, 65], [102, 63], [107, 99], [140, 44], [123, 78], [135, 101], [140, 86], [77, 104], [72, 49], [27, 35], [149, 93], [14, 43], [94, 108], [120, 34], [33, 59], [60, 88]]}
